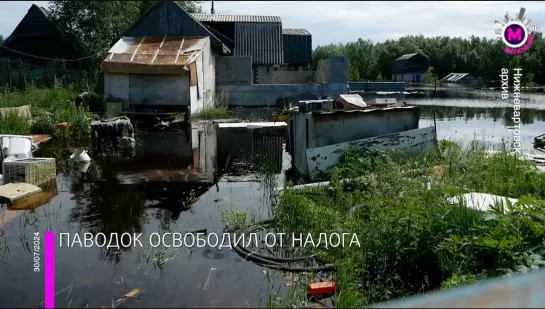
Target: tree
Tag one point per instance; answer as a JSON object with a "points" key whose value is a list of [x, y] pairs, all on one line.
{"points": [[429, 76], [353, 74], [480, 57], [94, 26], [1, 39]]}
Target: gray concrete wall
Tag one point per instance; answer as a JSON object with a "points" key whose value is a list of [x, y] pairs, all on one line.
{"points": [[293, 77], [268, 95], [338, 69], [233, 70], [264, 74], [342, 127], [322, 75]]}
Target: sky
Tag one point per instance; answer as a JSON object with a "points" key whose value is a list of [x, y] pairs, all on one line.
{"points": [[346, 21]]}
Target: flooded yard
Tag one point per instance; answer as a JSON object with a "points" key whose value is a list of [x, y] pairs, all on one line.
{"points": [[98, 201]]}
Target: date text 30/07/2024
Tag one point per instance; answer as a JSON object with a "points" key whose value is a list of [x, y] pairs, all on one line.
{"points": [[36, 252]]}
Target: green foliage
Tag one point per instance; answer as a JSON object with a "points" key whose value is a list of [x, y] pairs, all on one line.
{"points": [[353, 74], [429, 76], [412, 240], [1, 39], [48, 107], [212, 112], [480, 57]]}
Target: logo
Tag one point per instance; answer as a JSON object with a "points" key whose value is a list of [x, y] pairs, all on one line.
{"points": [[516, 33]]}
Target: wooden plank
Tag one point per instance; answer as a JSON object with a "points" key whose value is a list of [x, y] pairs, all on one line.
{"points": [[412, 142], [16, 191], [33, 201]]}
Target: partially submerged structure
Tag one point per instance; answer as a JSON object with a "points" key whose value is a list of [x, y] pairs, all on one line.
{"points": [[318, 138], [410, 68], [257, 37], [164, 62], [169, 74], [233, 59]]}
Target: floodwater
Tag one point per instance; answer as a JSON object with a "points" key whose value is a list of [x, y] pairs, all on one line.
{"points": [[107, 199], [463, 115]]}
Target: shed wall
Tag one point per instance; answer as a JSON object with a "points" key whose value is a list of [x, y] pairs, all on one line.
{"points": [[261, 41]]}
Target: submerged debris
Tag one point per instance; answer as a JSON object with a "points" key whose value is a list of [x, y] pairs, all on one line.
{"points": [[130, 295]]}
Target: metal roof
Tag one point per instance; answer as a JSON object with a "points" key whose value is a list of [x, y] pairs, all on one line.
{"points": [[166, 52], [454, 77], [293, 31], [236, 18]]}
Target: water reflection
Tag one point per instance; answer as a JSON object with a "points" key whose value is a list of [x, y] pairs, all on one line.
{"points": [[527, 116], [114, 195], [476, 98], [488, 125]]}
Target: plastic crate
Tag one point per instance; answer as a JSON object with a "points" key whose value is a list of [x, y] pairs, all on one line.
{"points": [[35, 171]]}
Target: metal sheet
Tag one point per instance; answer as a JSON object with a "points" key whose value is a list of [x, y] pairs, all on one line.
{"points": [[223, 18], [292, 31], [323, 159], [166, 50], [297, 45], [261, 41]]}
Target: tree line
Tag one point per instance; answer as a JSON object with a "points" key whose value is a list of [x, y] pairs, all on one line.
{"points": [[480, 57]]}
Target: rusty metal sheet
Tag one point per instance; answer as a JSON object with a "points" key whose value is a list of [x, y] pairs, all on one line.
{"points": [[193, 74], [521, 291], [159, 50], [40, 138], [323, 159], [120, 58]]}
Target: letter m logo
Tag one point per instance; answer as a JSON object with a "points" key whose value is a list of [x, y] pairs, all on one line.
{"points": [[517, 35]]}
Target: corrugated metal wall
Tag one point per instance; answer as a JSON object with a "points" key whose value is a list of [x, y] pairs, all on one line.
{"points": [[261, 41], [297, 49], [167, 20]]}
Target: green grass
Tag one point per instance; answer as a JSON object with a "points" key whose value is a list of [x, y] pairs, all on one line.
{"points": [[48, 107], [412, 241], [211, 113]]}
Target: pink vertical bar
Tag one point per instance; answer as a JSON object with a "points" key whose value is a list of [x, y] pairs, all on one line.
{"points": [[49, 269]]}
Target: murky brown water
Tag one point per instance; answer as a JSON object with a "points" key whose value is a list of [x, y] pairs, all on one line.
{"points": [[120, 197]]}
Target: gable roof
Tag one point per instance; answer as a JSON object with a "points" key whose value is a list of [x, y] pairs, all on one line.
{"points": [[409, 56], [36, 21], [36, 28], [205, 29], [292, 31], [225, 18]]}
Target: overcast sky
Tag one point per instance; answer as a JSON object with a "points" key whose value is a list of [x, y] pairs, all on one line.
{"points": [[345, 21]]}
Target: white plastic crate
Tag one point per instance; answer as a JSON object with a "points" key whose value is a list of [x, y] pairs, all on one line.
{"points": [[35, 171]]}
